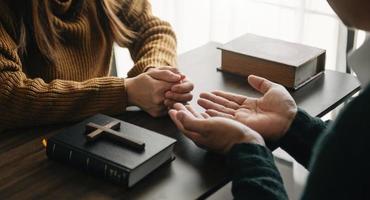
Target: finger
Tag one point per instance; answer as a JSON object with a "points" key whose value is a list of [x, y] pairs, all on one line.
{"points": [[172, 69], [172, 113], [183, 87], [215, 113], [179, 97], [160, 89], [195, 113], [205, 115], [191, 123], [165, 75], [163, 87], [186, 108], [181, 107], [207, 104], [260, 84], [239, 99], [169, 103], [191, 135], [220, 100]]}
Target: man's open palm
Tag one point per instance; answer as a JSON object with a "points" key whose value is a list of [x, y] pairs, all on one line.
{"points": [[271, 115]]}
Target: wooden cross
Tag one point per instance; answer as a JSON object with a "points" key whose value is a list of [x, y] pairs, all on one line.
{"points": [[110, 130]]}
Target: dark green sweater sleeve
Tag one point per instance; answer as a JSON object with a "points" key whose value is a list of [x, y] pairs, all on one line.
{"points": [[341, 161], [254, 174], [302, 135]]}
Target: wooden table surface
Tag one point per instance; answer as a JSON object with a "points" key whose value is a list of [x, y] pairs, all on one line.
{"points": [[26, 173]]}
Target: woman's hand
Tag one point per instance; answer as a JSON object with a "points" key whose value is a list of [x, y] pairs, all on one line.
{"points": [[180, 92], [158, 89], [271, 115], [216, 133], [147, 90]]}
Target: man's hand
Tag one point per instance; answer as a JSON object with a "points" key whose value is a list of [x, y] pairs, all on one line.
{"points": [[214, 133], [271, 115]]}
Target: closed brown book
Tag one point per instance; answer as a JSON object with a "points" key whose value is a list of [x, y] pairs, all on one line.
{"points": [[286, 63]]}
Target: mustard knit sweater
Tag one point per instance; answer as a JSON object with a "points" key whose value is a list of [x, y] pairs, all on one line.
{"points": [[78, 85]]}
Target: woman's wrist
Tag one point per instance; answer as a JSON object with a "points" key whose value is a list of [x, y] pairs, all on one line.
{"points": [[129, 92]]}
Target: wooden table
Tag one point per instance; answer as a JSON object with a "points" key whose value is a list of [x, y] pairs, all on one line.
{"points": [[25, 171]]}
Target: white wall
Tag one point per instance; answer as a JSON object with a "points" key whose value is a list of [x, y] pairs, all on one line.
{"points": [[197, 22]]}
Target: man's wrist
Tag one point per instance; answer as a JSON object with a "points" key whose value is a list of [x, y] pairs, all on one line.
{"points": [[252, 139], [276, 143], [291, 120], [297, 124]]}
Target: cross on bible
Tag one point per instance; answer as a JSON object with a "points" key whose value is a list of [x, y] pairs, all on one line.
{"points": [[110, 130]]}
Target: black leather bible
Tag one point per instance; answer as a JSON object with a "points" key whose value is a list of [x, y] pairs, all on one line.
{"points": [[109, 158]]}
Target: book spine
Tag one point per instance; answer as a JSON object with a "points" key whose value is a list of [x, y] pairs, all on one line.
{"points": [[92, 165]]}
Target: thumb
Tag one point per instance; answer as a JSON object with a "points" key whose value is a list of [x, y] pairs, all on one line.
{"points": [[260, 84], [165, 75], [192, 123]]}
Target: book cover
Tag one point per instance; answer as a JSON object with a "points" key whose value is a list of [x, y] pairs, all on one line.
{"points": [[286, 63], [107, 157]]}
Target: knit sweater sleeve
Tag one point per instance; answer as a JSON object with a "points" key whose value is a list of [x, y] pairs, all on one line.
{"points": [[254, 174], [155, 44], [302, 136], [30, 102]]}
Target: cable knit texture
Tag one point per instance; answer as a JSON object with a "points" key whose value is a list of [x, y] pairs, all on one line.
{"points": [[33, 92]]}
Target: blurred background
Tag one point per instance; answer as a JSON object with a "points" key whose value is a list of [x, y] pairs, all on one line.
{"points": [[196, 22]]}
